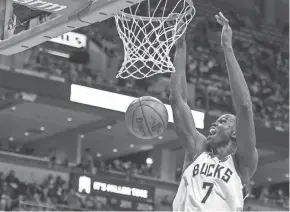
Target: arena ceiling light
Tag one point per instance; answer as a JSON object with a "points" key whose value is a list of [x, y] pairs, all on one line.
{"points": [[105, 99], [57, 53], [149, 161]]}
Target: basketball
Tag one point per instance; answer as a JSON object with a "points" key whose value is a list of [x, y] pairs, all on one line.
{"points": [[146, 117]]}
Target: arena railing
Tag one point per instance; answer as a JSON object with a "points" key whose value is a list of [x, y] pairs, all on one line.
{"points": [[33, 206], [259, 205]]}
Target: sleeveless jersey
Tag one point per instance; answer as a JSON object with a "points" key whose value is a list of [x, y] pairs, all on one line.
{"points": [[210, 184]]}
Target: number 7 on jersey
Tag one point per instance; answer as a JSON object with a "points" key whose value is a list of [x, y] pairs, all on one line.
{"points": [[206, 185]]}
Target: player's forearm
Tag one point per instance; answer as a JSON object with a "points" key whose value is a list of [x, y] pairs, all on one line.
{"points": [[178, 79], [240, 91], [176, 87]]}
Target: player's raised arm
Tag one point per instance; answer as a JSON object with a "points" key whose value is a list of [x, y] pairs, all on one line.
{"points": [[191, 140], [246, 154]]}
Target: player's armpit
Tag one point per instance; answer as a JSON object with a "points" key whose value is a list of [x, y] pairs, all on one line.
{"points": [[189, 158], [191, 140], [246, 154]]}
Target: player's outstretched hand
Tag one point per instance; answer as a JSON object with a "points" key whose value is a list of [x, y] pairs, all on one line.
{"points": [[180, 42], [227, 34]]}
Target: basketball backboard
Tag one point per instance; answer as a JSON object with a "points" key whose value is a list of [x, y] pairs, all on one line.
{"points": [[52, 18]]}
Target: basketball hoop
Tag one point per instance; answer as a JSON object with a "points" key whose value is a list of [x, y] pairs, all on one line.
{"points": [[149, 30]]}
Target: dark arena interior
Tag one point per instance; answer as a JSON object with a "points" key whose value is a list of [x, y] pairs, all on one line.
{"points": [[64, 144]]}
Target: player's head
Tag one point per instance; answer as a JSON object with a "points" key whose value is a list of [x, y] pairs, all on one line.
{"points": [[222, 134]]}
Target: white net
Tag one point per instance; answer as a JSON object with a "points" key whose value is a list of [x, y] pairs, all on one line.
{"points": [[148, 39]]}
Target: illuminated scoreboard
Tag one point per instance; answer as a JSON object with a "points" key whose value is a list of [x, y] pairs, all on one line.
{"points": [[118, 194]]}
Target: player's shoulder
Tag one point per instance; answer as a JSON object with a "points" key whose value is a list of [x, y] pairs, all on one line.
{"points": [[201, 154]]}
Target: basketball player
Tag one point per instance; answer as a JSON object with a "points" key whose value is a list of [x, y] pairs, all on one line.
{"points": [[217, 167]]}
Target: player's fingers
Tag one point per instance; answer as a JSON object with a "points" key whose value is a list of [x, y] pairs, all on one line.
{"points": [[218, 19], [224, 19]]}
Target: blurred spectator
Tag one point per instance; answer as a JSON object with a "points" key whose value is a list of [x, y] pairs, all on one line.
{"points": [[265, 195], [73, 200], [11, 179]]}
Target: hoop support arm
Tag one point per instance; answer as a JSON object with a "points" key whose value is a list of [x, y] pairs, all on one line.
{"points": [[97, 10]]}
